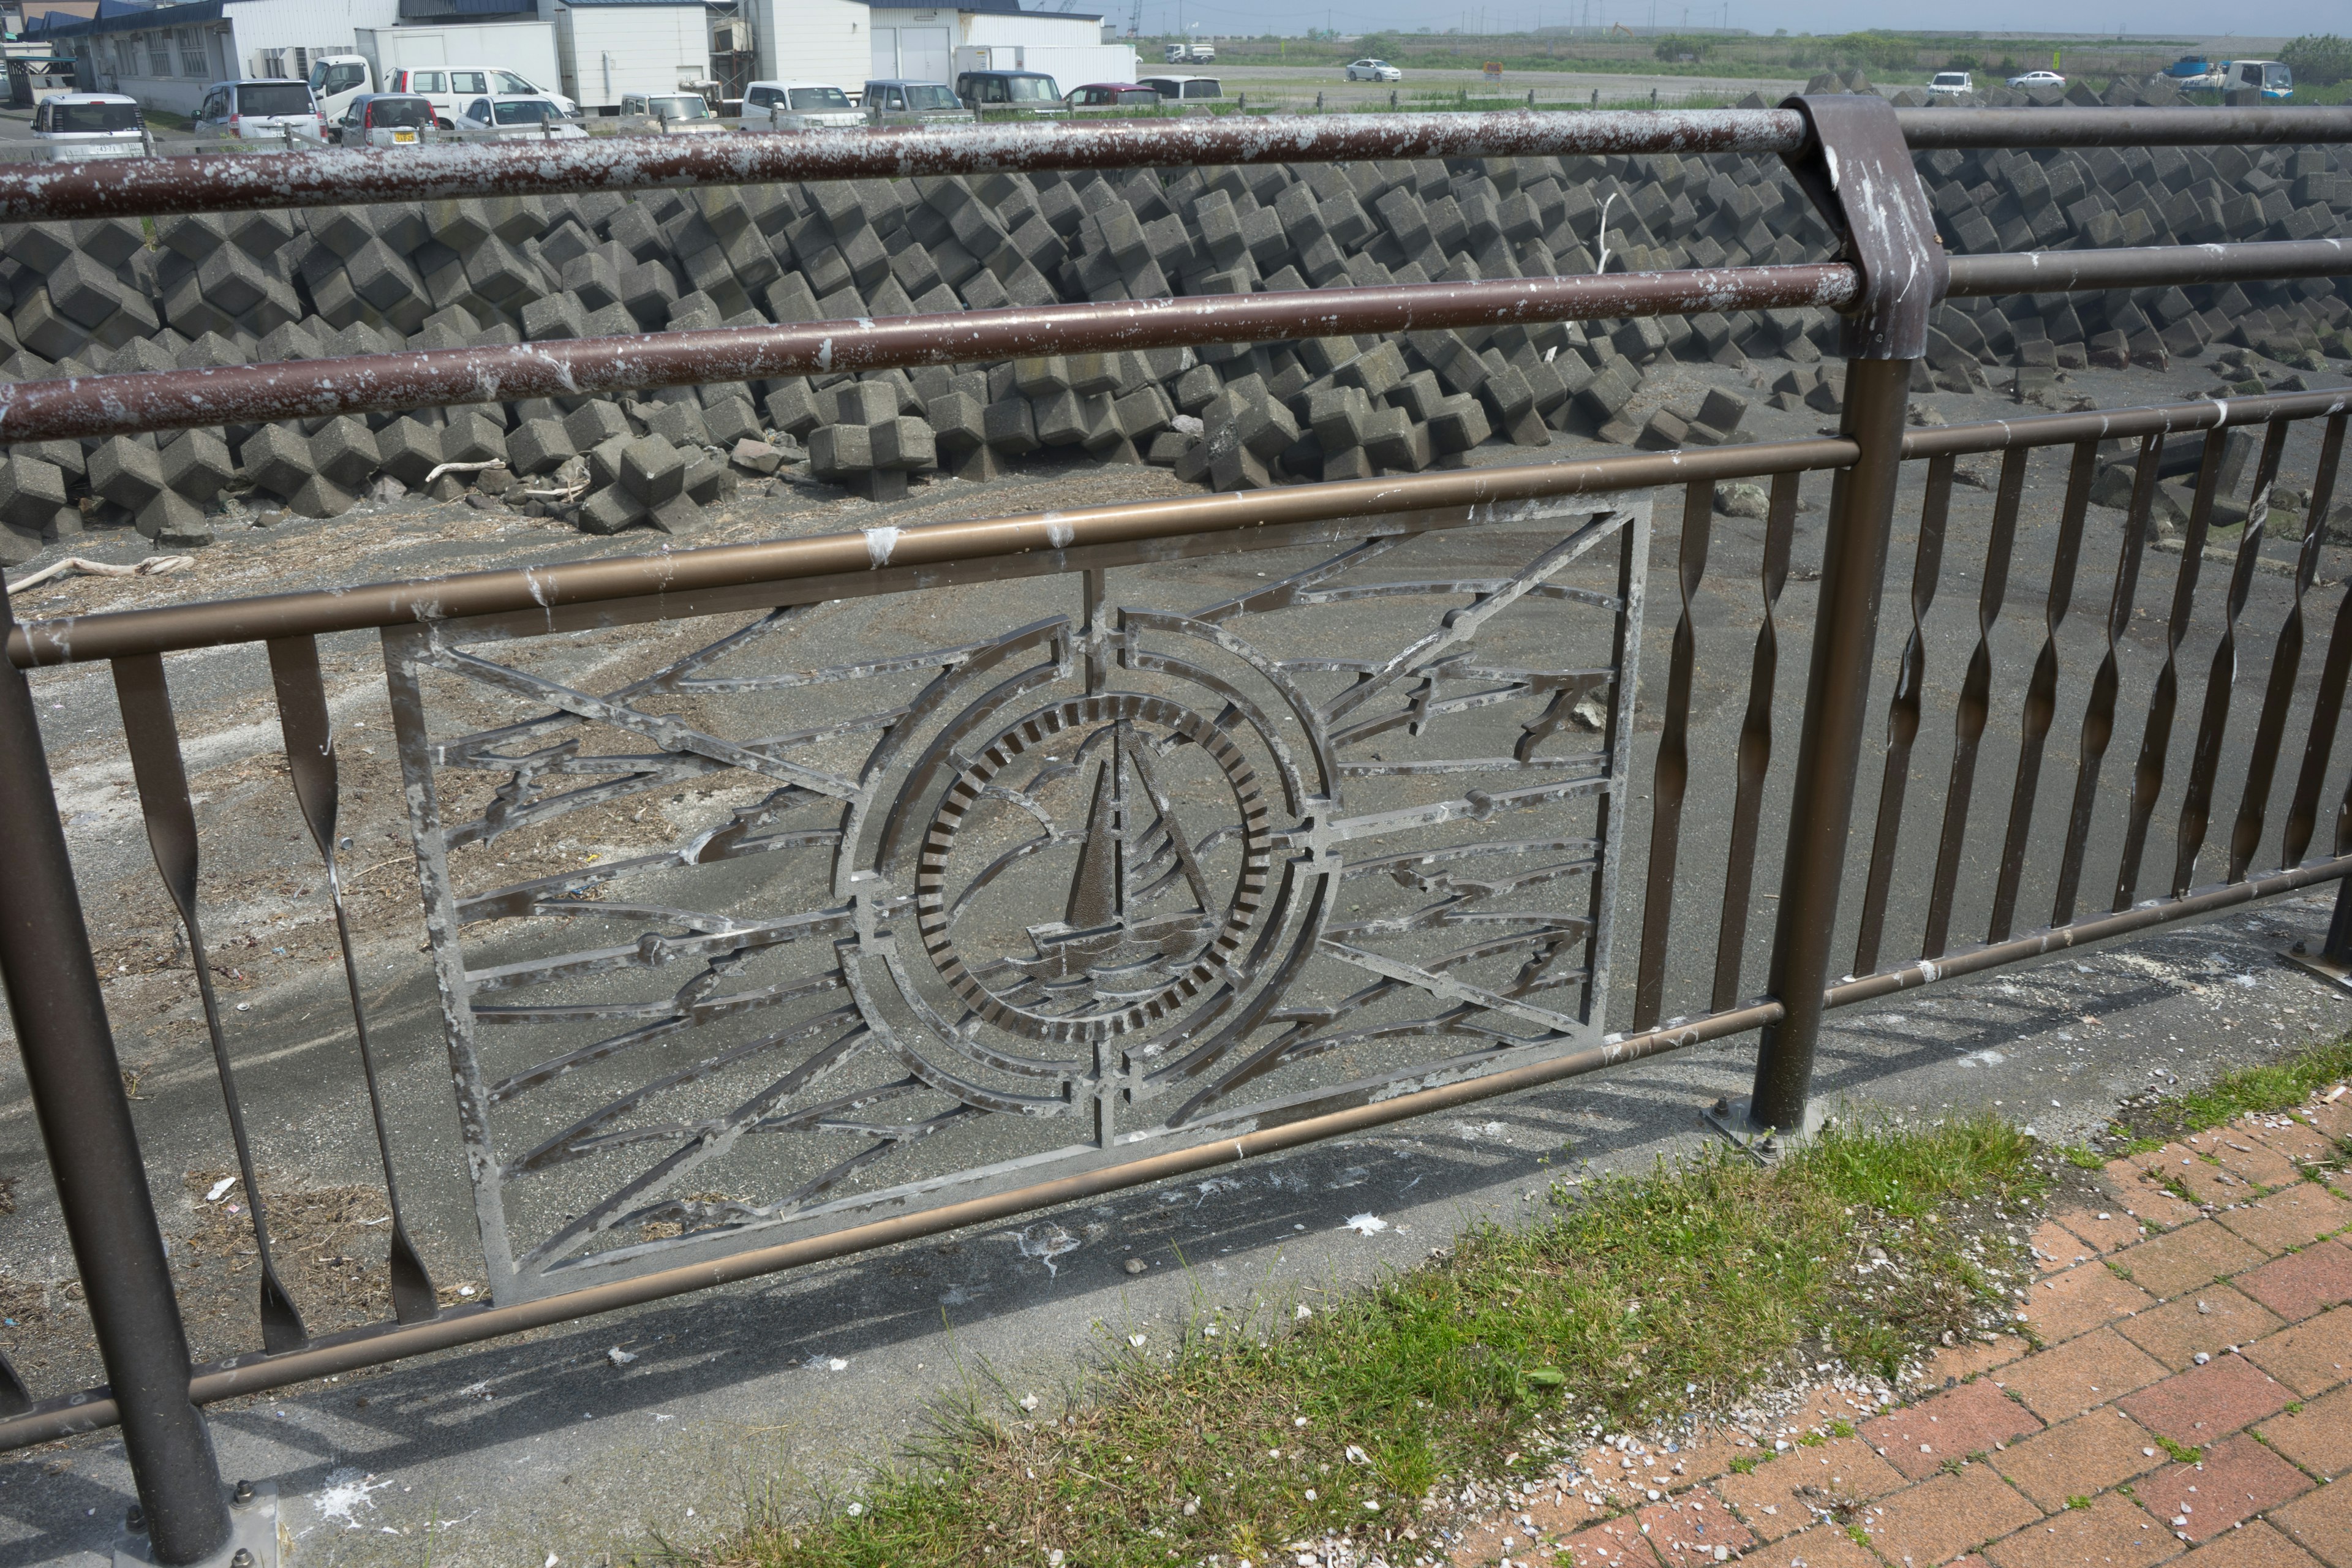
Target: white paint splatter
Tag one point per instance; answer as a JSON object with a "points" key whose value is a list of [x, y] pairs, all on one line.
{"points": [[344, 1495], [1047, 1242]]}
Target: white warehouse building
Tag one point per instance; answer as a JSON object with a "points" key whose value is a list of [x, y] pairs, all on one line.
{"points": [[850, 42], [922, 43], [167, 56]]}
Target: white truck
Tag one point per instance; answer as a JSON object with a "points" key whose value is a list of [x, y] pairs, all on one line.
{"points": [[1192, 54], [1071, 65], [423, 59]]}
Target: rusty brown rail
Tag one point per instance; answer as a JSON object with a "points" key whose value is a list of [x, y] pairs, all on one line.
{"points": [[99, 405]]}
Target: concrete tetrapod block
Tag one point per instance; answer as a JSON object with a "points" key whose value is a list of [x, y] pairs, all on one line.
{"points": [[320, 496], [679, 424], [197, 466], [173, 519], [276, 460], [344, 454], [651, 469], [679, 514], [538, 446], [905, 443], [127, 471], [592, 424], [408, 449], [708, 480], [610, 510], [30, 491]]}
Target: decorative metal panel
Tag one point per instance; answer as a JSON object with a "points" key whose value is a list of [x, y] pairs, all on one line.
{"points": [[753, 920]]}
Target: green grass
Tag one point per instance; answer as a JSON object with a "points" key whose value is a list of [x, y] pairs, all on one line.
{"points": [[2279, 1086], [1631, 1300]]}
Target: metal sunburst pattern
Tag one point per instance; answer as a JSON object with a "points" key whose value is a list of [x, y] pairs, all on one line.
{"points": [[749, 923]]}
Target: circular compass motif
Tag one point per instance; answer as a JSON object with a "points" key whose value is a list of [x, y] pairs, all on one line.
{"points": [[1142, 929], [1073, 885]]}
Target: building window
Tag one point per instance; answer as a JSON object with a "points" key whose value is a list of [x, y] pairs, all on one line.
{"points": [[159, 54], [192, 53]]}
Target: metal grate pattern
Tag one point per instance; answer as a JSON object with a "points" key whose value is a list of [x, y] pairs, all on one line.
{"points": [[1156, 865]]}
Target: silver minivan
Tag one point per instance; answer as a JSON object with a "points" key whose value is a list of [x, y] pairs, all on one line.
{"points": [[73, 126], [277, 110]]}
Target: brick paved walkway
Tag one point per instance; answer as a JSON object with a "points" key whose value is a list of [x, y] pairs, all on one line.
{"points": [[2190, 1403]]}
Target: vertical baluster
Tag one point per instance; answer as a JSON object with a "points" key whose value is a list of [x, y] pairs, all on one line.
{"points": [[2041, 690], [1975, 704], [2303, 812], [1671, 774], [311, 757], [2099, 714], [154, 737], [1755, 747], [2286, 662], [2164, 702], [1609, 809], [14, 1397], [2196, 799], [1903, 713]]}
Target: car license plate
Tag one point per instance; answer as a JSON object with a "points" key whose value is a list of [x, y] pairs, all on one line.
{"points": [[403, 136]]}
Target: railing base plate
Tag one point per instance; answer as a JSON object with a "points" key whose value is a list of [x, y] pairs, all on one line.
{"points": [[253, 1537], [2317, 965], [1764, 1145]]}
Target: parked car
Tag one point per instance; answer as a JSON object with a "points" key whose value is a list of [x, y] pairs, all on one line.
{"points": [[1185, 88], [2038, 79], [896, 102], [273, 108], [516, 116], [2271, 79], [667, 112], [1951, 84], [798, 106], [1374, 70], [384, 120], [73, 126], [1111, 95], [1032, 91]]}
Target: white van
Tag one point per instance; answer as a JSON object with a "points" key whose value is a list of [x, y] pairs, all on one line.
{"points": [[798, 106], [336, 79]]}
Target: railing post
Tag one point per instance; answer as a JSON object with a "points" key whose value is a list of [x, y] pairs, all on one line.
{"points": [[2338, 948], [1873, 199], [76, 1083]]}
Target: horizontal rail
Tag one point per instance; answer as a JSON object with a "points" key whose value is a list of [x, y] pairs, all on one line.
{"points": [[211, 624], [464, 1325], [2084, 933], [2121, 424], [74, 408], [377, 1346], [149, 187], [2073, 126], [529, 590], [78, 407], [2136, 266]]}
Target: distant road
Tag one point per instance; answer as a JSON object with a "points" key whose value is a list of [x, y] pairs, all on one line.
{"points": [[1550, 86]]}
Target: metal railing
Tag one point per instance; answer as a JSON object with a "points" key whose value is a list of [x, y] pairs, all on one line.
{"points": [[1157, 1080]]}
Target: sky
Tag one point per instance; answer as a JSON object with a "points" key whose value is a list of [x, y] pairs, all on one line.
{"points": [[2145, 18]]}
